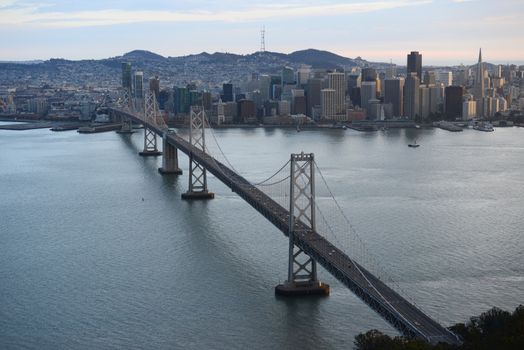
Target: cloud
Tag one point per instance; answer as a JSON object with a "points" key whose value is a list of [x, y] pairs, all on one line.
{"points": [[32, 14]]}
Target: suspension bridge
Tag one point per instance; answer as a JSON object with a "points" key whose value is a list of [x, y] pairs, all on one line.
{"points": [[293, 209]]}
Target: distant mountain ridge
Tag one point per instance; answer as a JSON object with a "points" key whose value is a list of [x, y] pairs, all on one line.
{"points": [[312, 57]]}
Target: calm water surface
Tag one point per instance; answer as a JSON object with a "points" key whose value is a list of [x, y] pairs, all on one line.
{"points": [[85, 263]]}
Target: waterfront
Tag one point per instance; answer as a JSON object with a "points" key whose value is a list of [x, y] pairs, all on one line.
{"points": [[86, 263]]}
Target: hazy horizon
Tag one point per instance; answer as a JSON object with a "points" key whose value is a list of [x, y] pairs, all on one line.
{"points": [[446, 32]]}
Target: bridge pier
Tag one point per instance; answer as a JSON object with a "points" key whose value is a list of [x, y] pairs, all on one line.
{"points": [[169, 159], [150, 145], [197, 172], [127, 127], [302, 269]]}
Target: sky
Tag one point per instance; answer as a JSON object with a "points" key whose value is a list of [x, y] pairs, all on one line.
{"points": [[443, 31]]}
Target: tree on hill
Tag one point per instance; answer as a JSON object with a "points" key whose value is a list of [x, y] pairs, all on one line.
{"points": [[494, 329]]}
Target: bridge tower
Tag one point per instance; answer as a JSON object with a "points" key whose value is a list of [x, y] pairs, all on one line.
{"points": [[302, 269], [126, 104], [150, 113], [197, 173]]}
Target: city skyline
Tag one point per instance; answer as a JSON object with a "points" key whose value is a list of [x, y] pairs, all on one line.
{"points": [[446, 32]]}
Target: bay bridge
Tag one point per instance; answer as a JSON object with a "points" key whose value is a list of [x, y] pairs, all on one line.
{"points": [[295, 217]]}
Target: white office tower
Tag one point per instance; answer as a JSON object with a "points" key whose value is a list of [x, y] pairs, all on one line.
{"points": [[337, 82], [469, 110], [327, 103], [368, 91]]}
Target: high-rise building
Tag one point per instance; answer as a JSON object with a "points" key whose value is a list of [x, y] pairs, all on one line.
{"points": [[327, 103], [478, 90], [303, 75], [181, 103], [127, 80], [298, 102], [288, 76], [453, 97], [246, 111], [353, 81], [424, 101], [369, 74], [446, 78], [394, 94], [411, 96], [337, 82], [227, 93], [139, 84], [469, 110], [391, 71], [368, 91], [430, 77], [207, 100], [435, 98], [154, 85], [415, 64], [314, 86], [264, 84]]}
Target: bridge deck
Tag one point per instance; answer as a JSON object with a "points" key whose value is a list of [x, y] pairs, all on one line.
{"points": [[400, 313]]}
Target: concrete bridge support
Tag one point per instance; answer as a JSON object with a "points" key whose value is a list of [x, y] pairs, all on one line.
{"points": [[169, 159], [150, 144], [302, 269], [127, 127], [197, 172]]}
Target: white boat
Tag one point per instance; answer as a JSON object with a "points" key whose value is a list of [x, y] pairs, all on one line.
{"points": [[484, 126]]}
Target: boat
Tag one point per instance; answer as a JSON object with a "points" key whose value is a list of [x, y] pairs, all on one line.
{"points": [[414, 144], [485, 126]]}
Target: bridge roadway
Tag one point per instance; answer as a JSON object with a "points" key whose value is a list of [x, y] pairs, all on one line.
{"points": [[400, 313]]}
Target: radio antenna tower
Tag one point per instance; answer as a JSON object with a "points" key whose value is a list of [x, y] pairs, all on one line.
{"points": [[263, 39]]}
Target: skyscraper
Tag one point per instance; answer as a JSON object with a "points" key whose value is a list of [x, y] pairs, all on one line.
{"points": [[154, 85], [327, 103], [411, 96], [415, 64], [337, 82], [288, 76], [394, 94], [368, 91], [127, 81], [478, 91], [227, 92], [453, 96], [430, 78], [369, 74], [139, 84], [313, 95]]}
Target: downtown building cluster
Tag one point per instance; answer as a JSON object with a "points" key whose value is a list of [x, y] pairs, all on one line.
{"points": [[305, 94], [263, 89]]}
